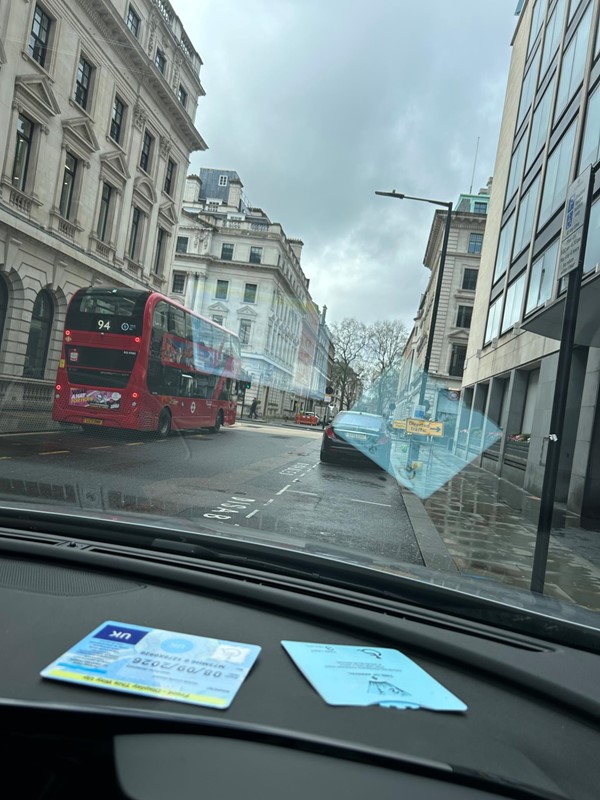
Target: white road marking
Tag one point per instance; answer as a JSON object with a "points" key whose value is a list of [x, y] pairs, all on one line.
{"points": [[285, 488], [100, 447], [53, 452], [268, 502], [370, 502], [252, 513], [313, 494], [133, 444]]}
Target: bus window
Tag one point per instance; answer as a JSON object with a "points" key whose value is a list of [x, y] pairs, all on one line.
{"points": [[177, 321], [186, 386]]}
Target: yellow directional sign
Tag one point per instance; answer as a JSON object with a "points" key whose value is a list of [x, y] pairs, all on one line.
{"points": [[399, 423], [421, 427], [436, 428]]}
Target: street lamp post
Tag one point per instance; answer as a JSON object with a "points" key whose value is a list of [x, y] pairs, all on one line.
{"points": [[414, 450]]}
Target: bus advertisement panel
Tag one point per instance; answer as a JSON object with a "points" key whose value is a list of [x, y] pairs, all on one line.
{"points": [[136, 360]]}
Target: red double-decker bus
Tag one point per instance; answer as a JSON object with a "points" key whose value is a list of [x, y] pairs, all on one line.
{"points": [[136, 360]]}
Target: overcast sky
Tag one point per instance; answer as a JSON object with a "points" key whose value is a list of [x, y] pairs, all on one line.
{"points": [[318, 103]]}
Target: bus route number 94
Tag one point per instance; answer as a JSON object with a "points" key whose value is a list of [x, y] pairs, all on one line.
{"points": [[103, 324]]}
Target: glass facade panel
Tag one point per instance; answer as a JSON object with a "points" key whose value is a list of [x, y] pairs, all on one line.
{"points": [[493, 322], [525, 218], [557, 175], [516, 168], [542, 277], [592, 248], [573, 63], [536, 22], [539, 125], [504, 245], [529, 84], [591, 136], [514, 301], [552, 35]]}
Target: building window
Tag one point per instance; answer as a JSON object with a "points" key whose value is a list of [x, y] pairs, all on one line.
{"points": [[542, 278], [22, 152], [539, 125], [591, 136], [245, 331], [525, 218], [573, 63], [256, 255], [159, 253], [39, 336], [222, 290], [475, 242], [39, 38], [182, 96], [169, 177], [218, 318], [457, 360], [178, 282], [146, 154], [105, 208], [527, 90], [133, 21], [250, 293], [3, 305], [592, 247], [181, 245], [573, 8], [557, 175], [222, 180], [514, 302], [536, 22], [116, 120], [469, 282], [504, 248], [463, 317], [227, 252], [493, 322], [160, 61], [479, 208], [552, 35], [68, 186], [83, 82], [135, 234], [516, 168]]}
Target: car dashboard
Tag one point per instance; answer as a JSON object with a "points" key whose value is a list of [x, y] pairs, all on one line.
{"points": [[530, 731]]}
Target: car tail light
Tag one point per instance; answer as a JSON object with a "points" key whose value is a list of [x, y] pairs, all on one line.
{"points": [[329, 432]]}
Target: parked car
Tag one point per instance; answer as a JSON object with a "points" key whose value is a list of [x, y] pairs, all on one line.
{"points": [[307, 418], [357, 435]]}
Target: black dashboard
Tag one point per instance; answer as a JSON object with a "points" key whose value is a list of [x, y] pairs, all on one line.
{"points": [[530, 731]]}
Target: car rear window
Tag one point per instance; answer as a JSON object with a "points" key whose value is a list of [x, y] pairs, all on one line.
{"points": [[361, 420]]}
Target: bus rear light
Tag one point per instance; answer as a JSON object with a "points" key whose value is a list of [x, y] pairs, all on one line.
{"points": [[137, 339], [67, 333], [135, 395], [58, 387]]}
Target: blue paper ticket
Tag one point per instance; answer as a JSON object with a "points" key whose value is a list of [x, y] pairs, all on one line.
{"points": [[157, 663], [362, 676]]}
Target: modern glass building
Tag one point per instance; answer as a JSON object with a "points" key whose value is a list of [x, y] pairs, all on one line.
{"points": [[550, 133]]}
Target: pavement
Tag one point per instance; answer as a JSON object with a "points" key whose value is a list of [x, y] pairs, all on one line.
{"points": [[461, 520]]}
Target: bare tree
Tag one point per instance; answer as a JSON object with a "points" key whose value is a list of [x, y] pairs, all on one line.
{"points": [[385, 344], [350, 338]]}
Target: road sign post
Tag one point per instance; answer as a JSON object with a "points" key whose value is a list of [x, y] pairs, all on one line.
{"points": [[572, 254]]}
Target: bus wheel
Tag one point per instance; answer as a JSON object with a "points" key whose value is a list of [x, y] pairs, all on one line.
{"points": [[218, 422], [164, 423]]}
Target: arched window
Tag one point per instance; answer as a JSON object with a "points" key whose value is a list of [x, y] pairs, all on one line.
{"points": [[39, 336], [3, 305]]}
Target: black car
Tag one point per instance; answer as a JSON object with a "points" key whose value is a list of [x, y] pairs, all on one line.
{"points": [[357, 435]]}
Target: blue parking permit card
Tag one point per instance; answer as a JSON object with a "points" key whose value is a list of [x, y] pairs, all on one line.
{"points": [[156, 663], [364, 676]]}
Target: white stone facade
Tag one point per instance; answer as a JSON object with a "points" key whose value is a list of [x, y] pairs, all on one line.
{"points": [[95, 126], [453, 317], [236, 267]]}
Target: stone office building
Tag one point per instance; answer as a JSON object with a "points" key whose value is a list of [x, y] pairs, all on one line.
{"points": [[99, 100]]}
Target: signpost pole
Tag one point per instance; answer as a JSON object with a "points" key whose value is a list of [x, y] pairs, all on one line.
{"points": [[572, 254]]}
